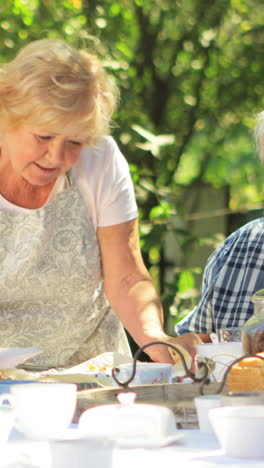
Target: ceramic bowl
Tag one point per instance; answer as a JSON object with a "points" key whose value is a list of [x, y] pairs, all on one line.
{"points": [[239, 430], [147, 373]]}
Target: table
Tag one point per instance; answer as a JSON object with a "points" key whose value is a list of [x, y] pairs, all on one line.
{"points": [[196, 450]]}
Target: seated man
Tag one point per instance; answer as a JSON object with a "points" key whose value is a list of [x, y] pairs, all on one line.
{"points": [[233, 273]]}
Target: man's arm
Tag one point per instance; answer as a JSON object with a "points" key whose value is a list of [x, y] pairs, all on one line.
{"points": [[205, 337]]}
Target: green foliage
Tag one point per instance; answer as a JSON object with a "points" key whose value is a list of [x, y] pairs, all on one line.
{"points": [[191, 80]]}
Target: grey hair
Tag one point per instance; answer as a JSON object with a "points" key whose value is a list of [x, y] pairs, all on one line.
{"points": [[53, 85], [259, 135]]}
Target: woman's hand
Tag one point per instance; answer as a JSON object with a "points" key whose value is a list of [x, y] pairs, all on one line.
{"points": [[161, 353]]}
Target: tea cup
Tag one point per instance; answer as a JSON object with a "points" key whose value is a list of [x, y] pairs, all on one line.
{"points": [[81, 453], [203, 404], [239, 430], [44, 410]]}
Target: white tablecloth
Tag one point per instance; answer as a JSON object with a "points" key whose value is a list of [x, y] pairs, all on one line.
{"points": [[195, 450]]}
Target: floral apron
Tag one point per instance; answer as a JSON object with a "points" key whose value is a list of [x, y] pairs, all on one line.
{"points": [[51, 288]]}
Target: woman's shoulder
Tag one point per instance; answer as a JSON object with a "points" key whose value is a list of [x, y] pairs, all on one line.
{"points": [[103, 161], [104, 157], [104, 147], [103, 179]]}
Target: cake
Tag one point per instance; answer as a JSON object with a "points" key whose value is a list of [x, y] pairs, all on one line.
{"points": [[247, 375]]}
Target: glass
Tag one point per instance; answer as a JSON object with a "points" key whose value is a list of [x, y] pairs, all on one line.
{"points": [[218, 357], [253, 329], [229, 334]]}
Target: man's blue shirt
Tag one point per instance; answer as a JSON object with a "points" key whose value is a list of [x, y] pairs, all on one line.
{"points": [[233, 273]]}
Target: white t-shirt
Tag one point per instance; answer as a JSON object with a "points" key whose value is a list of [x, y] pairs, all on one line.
{"points": [[103, 179]]}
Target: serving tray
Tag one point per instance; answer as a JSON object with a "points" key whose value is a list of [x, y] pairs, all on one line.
{"points": [[179, 397]]}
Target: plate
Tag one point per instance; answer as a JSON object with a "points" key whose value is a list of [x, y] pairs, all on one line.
{"points": [[12, 357], [151, 443], [73, 433]]}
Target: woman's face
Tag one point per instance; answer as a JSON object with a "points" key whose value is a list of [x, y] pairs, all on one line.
{"points": [[38, 156]]}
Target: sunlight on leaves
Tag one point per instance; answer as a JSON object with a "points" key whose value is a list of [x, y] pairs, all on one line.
{"points": [[154, 142]]}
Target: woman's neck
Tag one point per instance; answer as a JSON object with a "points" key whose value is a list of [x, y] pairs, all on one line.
{"points": [[19, 192]]}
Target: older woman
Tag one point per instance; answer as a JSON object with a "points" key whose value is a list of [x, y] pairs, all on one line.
{"points": [[69, 246]]}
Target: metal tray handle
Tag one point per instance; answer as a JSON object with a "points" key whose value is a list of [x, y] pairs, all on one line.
{"points": [[201, 365]]}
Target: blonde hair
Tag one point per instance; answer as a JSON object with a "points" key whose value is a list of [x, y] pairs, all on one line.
{"points": [[259, 135], [52, 85]]}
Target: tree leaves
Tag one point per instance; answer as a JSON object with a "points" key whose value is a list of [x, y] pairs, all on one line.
{"points": [[191, 80]]}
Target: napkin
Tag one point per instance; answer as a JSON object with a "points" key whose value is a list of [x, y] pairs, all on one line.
{"points": [[12, 357], [96, 370], [178, 369]]}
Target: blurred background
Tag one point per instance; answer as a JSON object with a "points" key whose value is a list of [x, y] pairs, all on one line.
{"points": [[191, 78]]}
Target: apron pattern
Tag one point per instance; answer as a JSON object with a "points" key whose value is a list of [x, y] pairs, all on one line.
{"points": [[51, 285]]}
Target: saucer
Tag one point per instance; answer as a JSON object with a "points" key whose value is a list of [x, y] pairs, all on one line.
{"points": [[73, 433], [149, 443]]}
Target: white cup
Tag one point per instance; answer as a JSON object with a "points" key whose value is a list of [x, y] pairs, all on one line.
{"points": [[203, 404], [81, 453], [223, 354], [7, 417], [44, 410], [147, 373]]}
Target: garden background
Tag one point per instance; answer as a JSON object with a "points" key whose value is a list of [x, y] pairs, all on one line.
{"points": [[191, 79]]}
